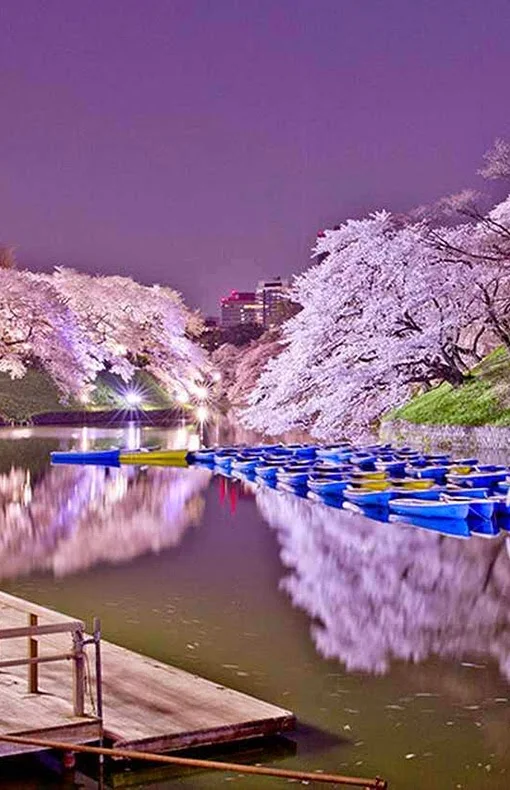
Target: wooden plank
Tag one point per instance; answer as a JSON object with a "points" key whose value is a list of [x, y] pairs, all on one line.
{"points": [[34, 661], [21, 605], [41, 630], [83, 731], [159, 707], [216, 735]]}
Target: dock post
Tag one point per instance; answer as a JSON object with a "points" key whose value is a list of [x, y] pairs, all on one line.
{"points": [[32, 653], [99, 694], [78, 673]]}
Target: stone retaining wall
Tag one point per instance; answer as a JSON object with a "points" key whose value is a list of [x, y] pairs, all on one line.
{"points": [[424, 435]]}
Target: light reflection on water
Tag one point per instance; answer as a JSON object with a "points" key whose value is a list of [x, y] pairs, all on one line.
{"points": [[388, 640]]}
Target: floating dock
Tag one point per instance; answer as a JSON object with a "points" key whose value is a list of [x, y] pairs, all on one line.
{"points": [[147, 705]]}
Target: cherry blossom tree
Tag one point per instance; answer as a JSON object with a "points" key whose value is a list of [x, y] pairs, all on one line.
{"points": [[497, 160], [240, 368], [483, 249], [37, 328], [132, 325], [382, 313]]}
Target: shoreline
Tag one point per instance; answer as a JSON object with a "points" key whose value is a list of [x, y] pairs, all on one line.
{"points": [[113, 417], [483, 436]]}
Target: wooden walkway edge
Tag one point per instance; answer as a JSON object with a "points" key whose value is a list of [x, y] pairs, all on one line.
{"points": [[148, 705]]}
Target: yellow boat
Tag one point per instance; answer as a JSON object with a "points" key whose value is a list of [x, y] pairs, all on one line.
{"points": [[413, 483], [156, 458], [368, 475], [372, 485]]}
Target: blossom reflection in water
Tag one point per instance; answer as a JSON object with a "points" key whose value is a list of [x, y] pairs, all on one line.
{"points": [[74, 517], [388, 591]]}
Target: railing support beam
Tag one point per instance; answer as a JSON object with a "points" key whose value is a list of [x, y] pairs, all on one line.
{"points": [[33, 671]]}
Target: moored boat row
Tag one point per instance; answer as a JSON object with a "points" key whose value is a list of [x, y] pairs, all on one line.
{"points": [[401, 480]]}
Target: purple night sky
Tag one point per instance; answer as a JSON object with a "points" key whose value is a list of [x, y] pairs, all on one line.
{"points": [[202, 143]]}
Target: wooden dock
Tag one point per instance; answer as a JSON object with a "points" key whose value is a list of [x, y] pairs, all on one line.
{"points": [[147, 705]]}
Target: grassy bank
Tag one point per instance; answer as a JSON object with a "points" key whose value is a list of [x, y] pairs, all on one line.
{"points": [[35, 394], [484, 399]]}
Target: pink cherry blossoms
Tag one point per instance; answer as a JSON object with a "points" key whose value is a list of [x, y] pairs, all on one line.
{"points": [[390, 306], [73, 325]]}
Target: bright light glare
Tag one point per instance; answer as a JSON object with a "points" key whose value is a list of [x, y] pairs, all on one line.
{"points": [[133, 398], [216, 375], [202, 413], [201, 393], [84, 398], [182, 397]]}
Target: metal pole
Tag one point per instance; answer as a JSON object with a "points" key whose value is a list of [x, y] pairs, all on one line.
{"points": [[99, 689], [131, 754], [32, 654]]}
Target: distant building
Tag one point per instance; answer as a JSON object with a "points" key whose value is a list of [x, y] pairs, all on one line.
{"points": [[270, 295], [211, 322], [240, 307]]}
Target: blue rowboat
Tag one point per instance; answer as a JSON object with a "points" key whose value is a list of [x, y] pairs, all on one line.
{"points": [[326, 487], [464, 462], [225, 457], [435, 472], [266, 471], [205, 456], [320, 474], [268, 482], [367, 497], [491, 468], [308, 452], [425, 493], [411, 483], [115, 457], [395, 468], [332, 500], [453, 527], [502, 520], [407, 452], [333, 453], [297, 490], [373, 512], [280, 458], [483, 508], [483, 527], [438, 459], [477, 479], [460, 491], [429, 508], [94, 457], [247, 475], [292, 477], [245, 464], [503, 485], [364, 461], [501, 508]]}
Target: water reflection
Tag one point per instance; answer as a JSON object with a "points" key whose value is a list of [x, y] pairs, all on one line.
{"points": [[379, 592], [70, 518]]}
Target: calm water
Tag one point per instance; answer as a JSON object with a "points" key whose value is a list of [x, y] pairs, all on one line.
{"points": [[390, 643]]}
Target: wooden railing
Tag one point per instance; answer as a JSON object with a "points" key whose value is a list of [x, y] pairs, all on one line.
{"points": [[32, 631]]}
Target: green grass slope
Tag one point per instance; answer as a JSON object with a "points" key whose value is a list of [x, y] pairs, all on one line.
{"points": [[484, 399], [35, 393]]}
